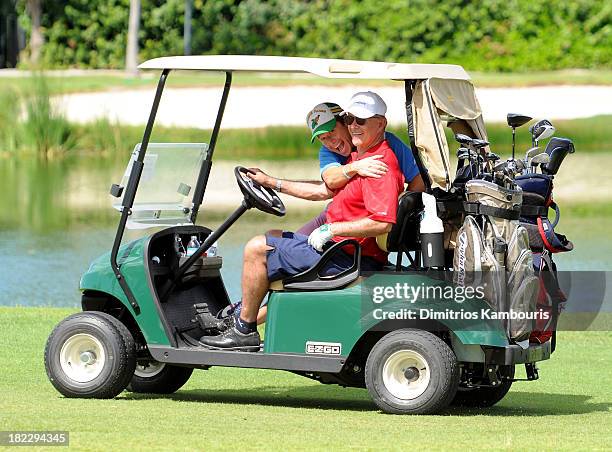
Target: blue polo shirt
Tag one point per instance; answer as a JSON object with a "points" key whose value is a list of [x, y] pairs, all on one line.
{"points": [[328, 158]]}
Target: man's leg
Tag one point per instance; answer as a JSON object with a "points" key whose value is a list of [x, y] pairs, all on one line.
{"points": [[254, 278], [284, 256], [244, 335]]}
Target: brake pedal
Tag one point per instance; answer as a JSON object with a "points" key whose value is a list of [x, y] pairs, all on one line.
{"points": [[204, 318]]}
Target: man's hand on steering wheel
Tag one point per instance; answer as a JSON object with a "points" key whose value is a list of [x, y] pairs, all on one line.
{"points": [[261, 178], [257, 195]]}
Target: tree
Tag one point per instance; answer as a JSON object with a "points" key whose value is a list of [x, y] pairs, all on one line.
{"points": [[187, 27], [131, 52], [37, 39]]}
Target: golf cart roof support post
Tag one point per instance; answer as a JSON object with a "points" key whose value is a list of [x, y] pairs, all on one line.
{"points": [[409, 89], [130, 193], [207, 163]]}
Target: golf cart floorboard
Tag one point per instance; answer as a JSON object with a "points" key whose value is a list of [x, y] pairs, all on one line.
{"points": [[202, 356]]}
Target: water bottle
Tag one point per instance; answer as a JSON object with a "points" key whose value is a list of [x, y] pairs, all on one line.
{"points": [[178, 246], [212, 251], [193, 245], [432, 234]]}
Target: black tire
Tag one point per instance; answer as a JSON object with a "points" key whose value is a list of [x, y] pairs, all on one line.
{"points": [[486, 396], [435, 384], [90, 334], [159, 378]]}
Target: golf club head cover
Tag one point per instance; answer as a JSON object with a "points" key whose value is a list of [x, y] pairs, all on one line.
{"points": [[553, 242]]}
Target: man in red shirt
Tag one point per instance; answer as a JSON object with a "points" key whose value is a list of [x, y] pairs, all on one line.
{"points": [[364, 208]]}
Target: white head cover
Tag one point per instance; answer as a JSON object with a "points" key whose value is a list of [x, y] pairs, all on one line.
{"points": [[365, 105]]}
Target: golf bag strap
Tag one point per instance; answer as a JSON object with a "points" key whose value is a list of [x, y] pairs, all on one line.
{"points": [[475, 208], [449, 207], [534, 211]]}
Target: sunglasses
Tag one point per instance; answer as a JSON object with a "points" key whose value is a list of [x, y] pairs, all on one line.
{"points": [[348, 120]]}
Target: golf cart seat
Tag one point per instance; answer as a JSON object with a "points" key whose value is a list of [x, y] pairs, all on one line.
{"points": [[404, 233], [312, 278], [402, 237]]}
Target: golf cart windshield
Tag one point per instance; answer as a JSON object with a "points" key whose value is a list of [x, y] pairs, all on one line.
{"points": [[165, 192]]}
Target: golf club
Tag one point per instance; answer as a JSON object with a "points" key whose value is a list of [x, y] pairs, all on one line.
{"points": [[516, 120], [557, 148], [539, 159], [540, 131], [529, 154]]}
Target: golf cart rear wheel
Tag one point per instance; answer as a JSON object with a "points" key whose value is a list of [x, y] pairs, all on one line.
{"points": [[90, 355], [484, 397], [411, 372], [158, 378]]}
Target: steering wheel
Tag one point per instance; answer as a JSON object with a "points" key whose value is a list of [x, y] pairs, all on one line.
{"points": [[258, 196]]}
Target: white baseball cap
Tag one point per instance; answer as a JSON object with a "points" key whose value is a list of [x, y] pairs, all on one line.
{"points": [[365, 105], [322, 118]]}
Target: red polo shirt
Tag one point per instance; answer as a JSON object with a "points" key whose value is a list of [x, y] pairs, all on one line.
{"points": [[369, 197]]}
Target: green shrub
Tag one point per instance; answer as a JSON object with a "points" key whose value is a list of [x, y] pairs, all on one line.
{"points": [[44, 129], [9, 121], [491, 35], [103, 136]]}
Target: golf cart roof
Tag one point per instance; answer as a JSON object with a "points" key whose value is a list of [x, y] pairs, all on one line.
{"points": [[330, 68]]}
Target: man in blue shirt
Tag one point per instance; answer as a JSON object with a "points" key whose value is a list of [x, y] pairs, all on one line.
{"points": [[326, 125], [334, 151]]}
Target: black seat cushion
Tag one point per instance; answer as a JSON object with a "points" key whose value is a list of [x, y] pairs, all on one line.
{"points": [[405, 230]]}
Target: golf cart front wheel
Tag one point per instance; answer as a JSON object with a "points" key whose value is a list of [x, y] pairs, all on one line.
{"points": [[90, 355], [158, 378], [411, 372]]}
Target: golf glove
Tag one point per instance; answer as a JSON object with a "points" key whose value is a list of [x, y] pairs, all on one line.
{"points": [[320, 237]]}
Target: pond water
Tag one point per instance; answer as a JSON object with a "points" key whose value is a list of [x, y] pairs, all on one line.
{"points": [[56, 218]]}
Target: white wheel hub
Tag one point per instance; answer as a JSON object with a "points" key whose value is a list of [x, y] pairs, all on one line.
{"points": [[82, 357], [406, 374], [149, 369]]}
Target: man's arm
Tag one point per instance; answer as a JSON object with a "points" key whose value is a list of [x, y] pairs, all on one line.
{"points": [[416, 184], [365, 227], [406, 162], [336, 177], [309, 190]]}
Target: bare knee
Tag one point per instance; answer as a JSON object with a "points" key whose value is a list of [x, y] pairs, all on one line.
{"points": [[256, 247]]}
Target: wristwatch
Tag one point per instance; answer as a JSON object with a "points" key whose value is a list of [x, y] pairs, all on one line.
{"points": [[344, 171]]}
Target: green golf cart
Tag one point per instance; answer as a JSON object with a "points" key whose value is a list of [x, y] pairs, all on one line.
{"points": [[139, 326]]}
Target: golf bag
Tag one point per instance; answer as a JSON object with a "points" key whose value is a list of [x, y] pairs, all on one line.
{"points": [[543, 241], [551, 299], [493, 253], [537, 199]]}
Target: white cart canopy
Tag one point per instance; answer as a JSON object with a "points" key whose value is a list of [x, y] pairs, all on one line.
{"points": [[329, 68], [441, 89]]}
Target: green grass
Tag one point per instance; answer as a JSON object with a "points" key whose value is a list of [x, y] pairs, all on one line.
{"points": [[543, 78], [107, 138], [588, 134], [100, 81], [222, 408], [286, 143]]}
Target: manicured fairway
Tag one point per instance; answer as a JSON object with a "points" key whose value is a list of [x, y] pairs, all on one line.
{"points": [[569, 408]]}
